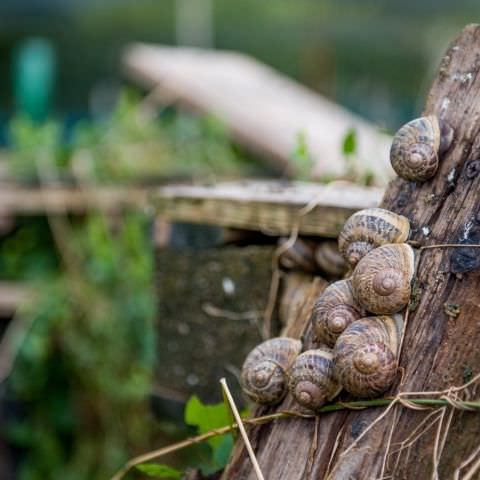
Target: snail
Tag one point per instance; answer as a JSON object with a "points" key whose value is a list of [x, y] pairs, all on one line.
{"points": [[365, 355], [381, 280], [296, 292], [417, 146], [329, 259], [299, 255], [334, 310], [263, 376], [368, 229], [310, 378]]}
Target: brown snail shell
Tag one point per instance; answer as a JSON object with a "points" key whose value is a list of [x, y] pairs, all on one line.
{"points": [[263, 376], [296, 292], [330, 260], [299, 255], [417, 146], [368, 229], [334, 310], [311, 380], [365, 355], [381, 280]]}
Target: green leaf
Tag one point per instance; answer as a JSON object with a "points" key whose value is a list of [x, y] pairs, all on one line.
{"points": [[222, 453], [206, 418], [159, 471], [350, 142], [301, 156]]}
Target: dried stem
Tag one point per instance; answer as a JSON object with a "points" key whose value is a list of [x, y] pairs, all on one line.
{"points": [[236, 414]]}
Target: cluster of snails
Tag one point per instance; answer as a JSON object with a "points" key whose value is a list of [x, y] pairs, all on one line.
{"points": [[356, 321], [311, 257]]}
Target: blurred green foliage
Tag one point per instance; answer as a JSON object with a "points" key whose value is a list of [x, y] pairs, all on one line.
{"points": [[84, 366], [84, 370], [131, 144]]}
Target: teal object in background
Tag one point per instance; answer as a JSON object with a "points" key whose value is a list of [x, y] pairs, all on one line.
{"points": [[34, 78]]}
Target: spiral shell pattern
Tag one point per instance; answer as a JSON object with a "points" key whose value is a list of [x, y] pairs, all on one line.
{"points": [[329, 259], [311, 380], [263, 376], [381, 280], [365, 355], [334, 310], [368, 229], [416, 148]]}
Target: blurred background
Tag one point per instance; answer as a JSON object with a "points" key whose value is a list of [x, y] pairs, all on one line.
{"points": [[78, 346]]}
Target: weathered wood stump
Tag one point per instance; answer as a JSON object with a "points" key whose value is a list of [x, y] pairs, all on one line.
{"points": [[441, 343]]}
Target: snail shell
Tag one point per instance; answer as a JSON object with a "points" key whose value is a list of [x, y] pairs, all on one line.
{"points": [[368, 229], [298, 256], [297, 287], [334, 310], [330, 260], [365, 355], [311, 380], [263, 376], [417, 146], [381, 280]]}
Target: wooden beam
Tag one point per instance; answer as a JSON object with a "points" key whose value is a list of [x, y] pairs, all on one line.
{"points": [[263, 110], [19, 200], [271, 207]]}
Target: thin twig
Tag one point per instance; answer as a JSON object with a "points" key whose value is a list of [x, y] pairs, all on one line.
{"points": [[236, 414]]}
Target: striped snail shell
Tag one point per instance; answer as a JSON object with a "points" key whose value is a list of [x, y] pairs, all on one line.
{"points": [[417, 146], [368, 229], [311, 380], [381, 280], [365, 355], [299, 255], [334, 310], [330, 260], [263, 376]]}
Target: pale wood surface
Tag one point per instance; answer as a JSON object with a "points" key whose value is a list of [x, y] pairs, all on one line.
{"points": [[22, 200], [439, 350], [263, 109], [271, 207]]}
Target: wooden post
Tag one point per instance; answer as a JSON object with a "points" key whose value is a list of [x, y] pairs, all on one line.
{"points": [[441, 343]]}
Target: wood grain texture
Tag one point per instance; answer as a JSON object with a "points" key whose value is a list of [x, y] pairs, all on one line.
{"points": [[269, 206], [439, 350], [263, 110]]}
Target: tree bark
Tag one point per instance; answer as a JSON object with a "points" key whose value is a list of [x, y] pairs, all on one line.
{"points": [[443, 332]]}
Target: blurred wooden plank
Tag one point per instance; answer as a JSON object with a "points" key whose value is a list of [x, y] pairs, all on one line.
{"points": [[269, 206], [263, 109], [12, 295], [19, 200]]}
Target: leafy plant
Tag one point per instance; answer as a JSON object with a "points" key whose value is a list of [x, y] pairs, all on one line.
{"points": [[159, 471]]}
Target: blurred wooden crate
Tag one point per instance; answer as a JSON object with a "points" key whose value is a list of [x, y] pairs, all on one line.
{"points": [[213, 283]]}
